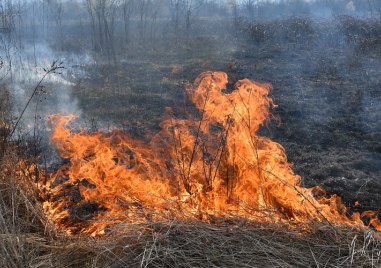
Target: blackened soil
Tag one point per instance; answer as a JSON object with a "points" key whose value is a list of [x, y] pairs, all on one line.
{"points": [[326, 82]]}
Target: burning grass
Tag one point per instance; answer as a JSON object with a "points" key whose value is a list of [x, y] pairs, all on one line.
{"points": [[176, 241], [26, 242], [196, 244], [207, 169], [21, 217]]}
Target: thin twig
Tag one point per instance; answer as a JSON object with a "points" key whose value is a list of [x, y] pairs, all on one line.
{"points": [[53, 68]]}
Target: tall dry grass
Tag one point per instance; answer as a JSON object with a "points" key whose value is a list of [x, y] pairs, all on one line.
{"points": [[27, 240]]}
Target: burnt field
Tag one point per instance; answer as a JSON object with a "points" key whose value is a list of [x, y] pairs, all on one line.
{"points": [[139, 133], [326, 80]]}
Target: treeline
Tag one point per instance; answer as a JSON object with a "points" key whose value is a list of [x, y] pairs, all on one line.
{"points": [[110, 27], [104, 26], [269, 10]]}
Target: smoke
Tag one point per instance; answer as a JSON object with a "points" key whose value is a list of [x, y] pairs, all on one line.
{"points": [[22, 71]]}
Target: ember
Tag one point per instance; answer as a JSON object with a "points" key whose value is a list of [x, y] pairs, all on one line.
{"points": [[212, 169]]}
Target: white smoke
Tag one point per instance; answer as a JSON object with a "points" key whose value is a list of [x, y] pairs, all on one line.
{"points": [[23, 70], [350, 7]]}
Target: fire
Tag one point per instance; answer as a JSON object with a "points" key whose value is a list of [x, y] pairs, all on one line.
{"points": [[211, 169]]}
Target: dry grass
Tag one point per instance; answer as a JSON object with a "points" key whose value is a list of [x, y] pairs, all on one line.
{"points": [[200, 245], [27, 241]]}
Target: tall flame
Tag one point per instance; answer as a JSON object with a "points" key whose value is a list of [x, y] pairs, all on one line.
{"points": [[213, 168]]}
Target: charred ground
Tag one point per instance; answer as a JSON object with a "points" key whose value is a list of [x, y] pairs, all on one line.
{"points": [[326, 81]]}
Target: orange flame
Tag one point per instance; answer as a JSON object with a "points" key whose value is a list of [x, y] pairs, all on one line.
{"points": [[209, 169]]}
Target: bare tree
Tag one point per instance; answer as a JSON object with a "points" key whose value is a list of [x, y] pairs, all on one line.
{"points": [[190, 7], [188, 13], [375, 7], [370, 5], [90, 11], [154, 10], [249, 6], [10, 11], [102, 14], [143, 7], [56, 9], [234, 9], [128, 9], [175, 9], [182, 12]]}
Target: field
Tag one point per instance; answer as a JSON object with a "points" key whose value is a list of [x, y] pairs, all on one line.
{"points": [[327, 84]]}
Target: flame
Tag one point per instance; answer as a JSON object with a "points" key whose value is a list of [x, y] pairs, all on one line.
{"points": [[212, 168]]}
